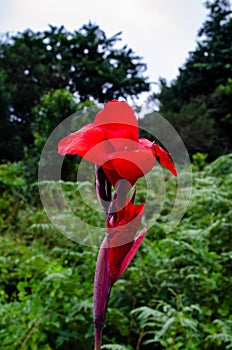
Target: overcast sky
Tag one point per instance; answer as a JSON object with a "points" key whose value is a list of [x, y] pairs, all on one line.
{"points": [[161, 31]]}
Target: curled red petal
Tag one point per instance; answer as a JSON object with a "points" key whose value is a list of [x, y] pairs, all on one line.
{"points": [[165, 159], [121, 236], [131, 253], [146, 144], [116, 257], [121, 256]]}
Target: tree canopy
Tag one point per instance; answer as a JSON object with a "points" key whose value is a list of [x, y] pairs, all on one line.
{"points": [[86, 61], [198, 101], [210, 64]]}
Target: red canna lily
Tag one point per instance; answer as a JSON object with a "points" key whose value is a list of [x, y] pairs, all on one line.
{"points": [[112, 142]]}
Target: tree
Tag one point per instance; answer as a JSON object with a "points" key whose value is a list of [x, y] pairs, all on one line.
{"points": [[9, 138], [210, 64], [194, 103], [52, 108], [86, 61]]}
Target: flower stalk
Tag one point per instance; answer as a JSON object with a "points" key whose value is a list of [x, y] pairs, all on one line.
{"points": [[101, 292]]}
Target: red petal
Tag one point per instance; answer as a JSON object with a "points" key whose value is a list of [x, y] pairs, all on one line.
{"points": [[130, 214], [111, 174], [118, 116], [146, 143], [116, 257], [130, 165], [131, 253], [128, 220], [121, 236], [89, 142], [121, 139], [165, 159]]}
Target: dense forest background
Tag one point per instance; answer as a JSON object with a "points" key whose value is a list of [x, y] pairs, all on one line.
{"points": [[177, 292]]}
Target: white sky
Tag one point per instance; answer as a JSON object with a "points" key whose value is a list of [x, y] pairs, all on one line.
{"points": [[161, 31]]}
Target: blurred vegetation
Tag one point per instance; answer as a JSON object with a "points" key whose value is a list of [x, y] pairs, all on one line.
{"points": [[176, 294]]}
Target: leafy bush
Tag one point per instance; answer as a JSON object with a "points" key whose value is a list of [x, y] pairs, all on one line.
{"points": [[175, 295]]}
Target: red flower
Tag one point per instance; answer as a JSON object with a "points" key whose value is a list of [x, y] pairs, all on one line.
{"points": [[112, 142], [121, 230]]}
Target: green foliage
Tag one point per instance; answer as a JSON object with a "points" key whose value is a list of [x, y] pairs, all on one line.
{"points": [[53, 107], [220, 167], [8, 141], [223, 333], [190, 270], [220, 106], [171, 327], [51, 110], [12, 187], [199, 162], [86, 61], [46, 300], [174, 295]]}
